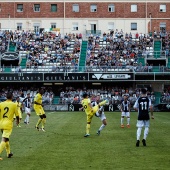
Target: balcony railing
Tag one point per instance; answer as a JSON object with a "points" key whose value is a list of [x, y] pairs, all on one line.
{"points": [[86, 69], [93, 32]]}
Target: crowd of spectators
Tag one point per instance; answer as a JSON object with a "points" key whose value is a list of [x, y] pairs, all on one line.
{"points": [[23, 91], [49, 51], [114, 94], [166, 44], [116, 50], [45, 50], [165, 96], [5, 37]]}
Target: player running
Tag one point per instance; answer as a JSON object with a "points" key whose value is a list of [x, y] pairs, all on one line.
{"points": [[7, 111]]}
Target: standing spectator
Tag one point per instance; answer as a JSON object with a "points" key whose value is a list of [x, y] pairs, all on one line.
{"points": [[142, 105]]}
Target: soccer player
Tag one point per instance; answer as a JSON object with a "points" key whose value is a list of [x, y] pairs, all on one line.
{"points": [[100, 114], [142, 105], [7, 111], [38, 107], [90, 111], [125, 109], [27, 103], [19, 106]]}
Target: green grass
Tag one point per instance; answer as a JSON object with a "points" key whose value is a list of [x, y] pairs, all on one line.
{"points": [[63, 147]]}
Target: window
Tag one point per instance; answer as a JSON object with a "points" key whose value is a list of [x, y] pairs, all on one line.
{"points": [[19, 26], [133, 26], [75, 26], [134, 8], [19, 7], [53, 25], [162, 8], [53, 8], [111, 8], [75, 8], [111, 26], [162, 26], [36, 7], [93, 8], [36, 28]]}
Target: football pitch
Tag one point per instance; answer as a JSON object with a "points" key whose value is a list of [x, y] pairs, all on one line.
{"points": [[63, 147]]}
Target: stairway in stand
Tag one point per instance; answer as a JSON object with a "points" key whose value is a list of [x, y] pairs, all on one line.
{"points": [[23, 62], [157, 97], [168, 65], [12, 47], [157, 48], [141, 60], [82, 62]]}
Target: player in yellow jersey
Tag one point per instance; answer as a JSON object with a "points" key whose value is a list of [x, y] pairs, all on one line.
{"points": [[38, 107], [19, 106], [90, 111], [7, 111]]}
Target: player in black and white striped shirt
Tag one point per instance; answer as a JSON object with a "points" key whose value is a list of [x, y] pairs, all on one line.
{"points": [[125, 111], [143, 105], [27, 103], [100, 114]]}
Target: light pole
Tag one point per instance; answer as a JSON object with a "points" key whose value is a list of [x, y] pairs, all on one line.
{"points": [[9, 27], [150, 15], [64, 18]]}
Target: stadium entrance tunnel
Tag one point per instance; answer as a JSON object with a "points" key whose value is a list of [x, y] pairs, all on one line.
{"points": [[9, 59]]}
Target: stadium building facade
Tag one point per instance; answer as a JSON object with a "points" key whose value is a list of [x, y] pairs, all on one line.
{"points": [[142, 16]]}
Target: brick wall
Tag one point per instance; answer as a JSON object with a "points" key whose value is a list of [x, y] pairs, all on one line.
{"points": [[122, 10]]}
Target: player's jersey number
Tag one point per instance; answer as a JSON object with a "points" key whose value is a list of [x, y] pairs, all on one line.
{"points": [[6, 109], [85, 106], [143, 105]]}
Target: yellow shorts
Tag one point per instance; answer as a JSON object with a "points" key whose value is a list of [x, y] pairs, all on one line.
{"points": [[6, 133], [90, 115], [39, 110], [95, 109]]}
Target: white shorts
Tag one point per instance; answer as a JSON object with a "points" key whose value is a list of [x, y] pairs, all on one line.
{"points": [[27, 110], [126, 114], [101, 116], [142, 123]]}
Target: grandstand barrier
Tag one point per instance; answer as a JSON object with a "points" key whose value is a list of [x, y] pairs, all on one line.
{"points": [[75, 107], [85, 77], [86, 69], [163, 107]]}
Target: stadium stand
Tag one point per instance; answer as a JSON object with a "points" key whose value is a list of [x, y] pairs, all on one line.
{"points": [[111, 52]]}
